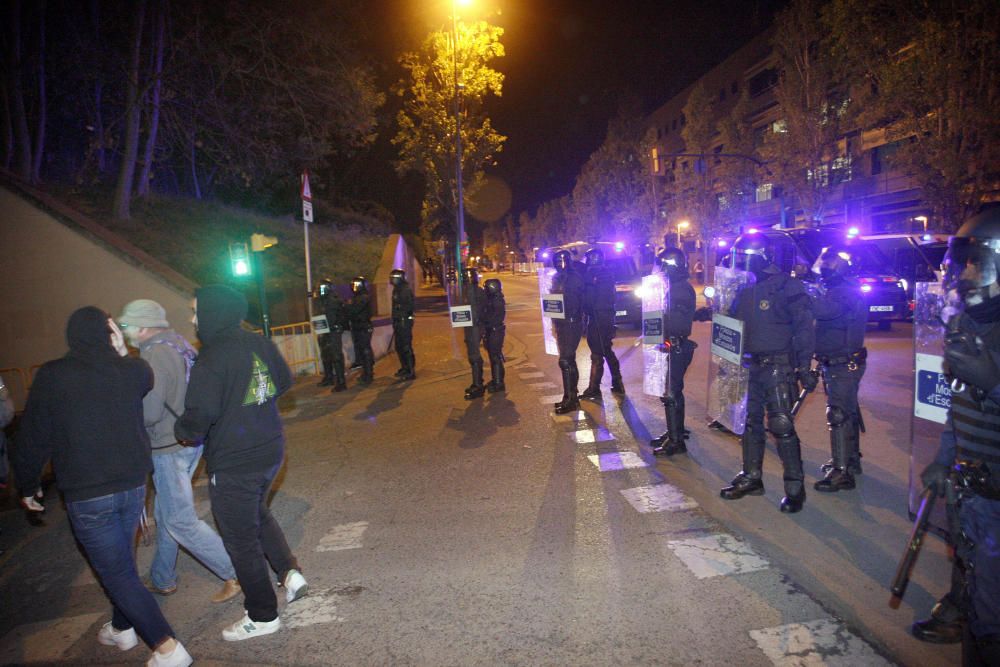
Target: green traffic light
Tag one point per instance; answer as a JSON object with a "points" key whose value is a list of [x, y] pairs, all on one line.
{"points": [[241, 268]]}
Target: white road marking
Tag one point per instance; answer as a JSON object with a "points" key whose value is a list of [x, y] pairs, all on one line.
{"points": [[617, 461], [538, 386], [589, 436], [45, 641], [658, 498], [716, 555], [319, 606], [344, 536], [551, 399], [529, 376], [571, 417], [820, 642]]}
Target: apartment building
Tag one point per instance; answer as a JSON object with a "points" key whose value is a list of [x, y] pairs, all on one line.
{"points": [[864, 191]]}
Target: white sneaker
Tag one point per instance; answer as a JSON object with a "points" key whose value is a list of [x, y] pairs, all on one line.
{"points": [[179, 657], [295, 586], [248, 629], [123, 639]]}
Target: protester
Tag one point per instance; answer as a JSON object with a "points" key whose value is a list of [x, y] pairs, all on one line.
{"points": [[84, 412], [144, 323], [232, 407]]}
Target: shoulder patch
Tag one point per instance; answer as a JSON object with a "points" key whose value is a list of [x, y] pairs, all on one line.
{"points": [[261, 387]]}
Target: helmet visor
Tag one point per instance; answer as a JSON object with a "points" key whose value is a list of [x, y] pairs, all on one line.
{"points": [[968, 264], [749, 259]]}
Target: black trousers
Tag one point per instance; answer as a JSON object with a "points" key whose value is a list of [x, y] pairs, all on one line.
{"points": [[600, 338], [568, 335], [770, 392], [680, 359], [363, 349], [251, 536], [403, 340], [473, 336], [494, 345]]}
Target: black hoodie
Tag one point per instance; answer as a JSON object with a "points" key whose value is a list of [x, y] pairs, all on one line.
{"points": [[232, 398], [85, 413]]}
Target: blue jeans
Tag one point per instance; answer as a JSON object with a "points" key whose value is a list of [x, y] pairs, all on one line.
{"points": [[178, 523], [106, 528]]}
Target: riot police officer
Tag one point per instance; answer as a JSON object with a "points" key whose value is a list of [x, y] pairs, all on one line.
{"points": [[402, 324], [332, 343], [569, 329], [474, 295], [599, 312], [676, 329], [778, 350], [494, 313], [969, 454], [359, 314], [841, 316]]}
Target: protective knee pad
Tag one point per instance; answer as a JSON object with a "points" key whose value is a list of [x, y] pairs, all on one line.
{"points": [[670, 400], [780, 424], [566, 363], [835, 416]]}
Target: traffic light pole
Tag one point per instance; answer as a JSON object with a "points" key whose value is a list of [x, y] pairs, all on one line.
{"points": [[265, 316]]}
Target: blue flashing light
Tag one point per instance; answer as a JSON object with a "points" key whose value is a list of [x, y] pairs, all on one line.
{"points": [[619, 246], [927, 237], [545, 255], [752, 230], [723, 243], [866, 288], [853, 231]]}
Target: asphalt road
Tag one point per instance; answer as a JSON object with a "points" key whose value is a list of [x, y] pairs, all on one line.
{"points": [[438, 531]]}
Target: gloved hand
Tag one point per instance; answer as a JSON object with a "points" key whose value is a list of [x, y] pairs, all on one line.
{"points": [[807, 379], [935, 476], [703, 314], [968, 364], [31, 503]]}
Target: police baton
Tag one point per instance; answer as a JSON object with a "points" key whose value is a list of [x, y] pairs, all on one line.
{"points": [[801, 399]]}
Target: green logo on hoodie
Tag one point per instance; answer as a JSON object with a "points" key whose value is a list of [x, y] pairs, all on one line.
{"points": [[261, 385]]}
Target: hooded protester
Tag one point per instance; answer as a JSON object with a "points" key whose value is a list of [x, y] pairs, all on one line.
{"points": [[232, 407], [84, 412]]}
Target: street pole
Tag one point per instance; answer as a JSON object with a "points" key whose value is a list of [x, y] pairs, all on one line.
{"points": [[265, 317], [460, 222]]}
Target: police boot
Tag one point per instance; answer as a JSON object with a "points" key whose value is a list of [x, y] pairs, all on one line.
{"points": [[838, 477], [593, 390], [367, 371], [748, 482], [617, 386], [945, 625], [496, 377], [790, 452], [327, 375], [674, 443], [476, 389], [341, 383], [406, 372], [571, 401]]}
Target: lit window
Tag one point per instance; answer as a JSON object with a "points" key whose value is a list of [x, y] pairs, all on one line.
{"points": [[765, 192]]}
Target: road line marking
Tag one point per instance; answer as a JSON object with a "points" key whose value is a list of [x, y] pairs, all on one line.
{"points": [[617, 461], [539, 386], [45, 641], [344, 536], [820, 642], [716, 555], [590, 436], [658, 498], [530, 376], [319, 606]]}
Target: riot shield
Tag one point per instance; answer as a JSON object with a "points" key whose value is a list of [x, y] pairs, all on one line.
{"points": [[727, 378], [550, 307], [655, 355], [931, 390]]}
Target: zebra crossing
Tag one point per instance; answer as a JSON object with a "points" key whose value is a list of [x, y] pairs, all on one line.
{"points": [[708, 554]]}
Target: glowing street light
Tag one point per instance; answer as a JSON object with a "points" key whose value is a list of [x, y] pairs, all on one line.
{"points": [[682, 225]]}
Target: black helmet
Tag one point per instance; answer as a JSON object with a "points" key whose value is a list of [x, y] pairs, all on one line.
{"points": [[972, 264], [493, 286], [397, 277], [673, 262], [594, 257], [325, 286], [359, 285], [471, 275], [836, 263], [752, 252], [562, 260]]}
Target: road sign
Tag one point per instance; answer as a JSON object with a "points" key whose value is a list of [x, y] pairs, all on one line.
{"points": [[307, 211], [306, 192]]}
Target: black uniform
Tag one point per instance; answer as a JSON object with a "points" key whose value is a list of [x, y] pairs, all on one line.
{"points": [[494, 312], [778, 348], [474, 295], [569, 330], [599, 311], [841, 316], [359, 313], [402, 328], [676, 331], [968, 461], [331, 345]]}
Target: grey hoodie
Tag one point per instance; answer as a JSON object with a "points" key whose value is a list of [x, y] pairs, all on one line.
{"points": [[165, 353]]}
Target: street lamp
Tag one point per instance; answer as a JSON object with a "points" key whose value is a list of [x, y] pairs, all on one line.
{"points": [[683, 224], [460, 213]]}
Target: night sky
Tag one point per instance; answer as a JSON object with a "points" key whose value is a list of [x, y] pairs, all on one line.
{"points": [[568, 64]]}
